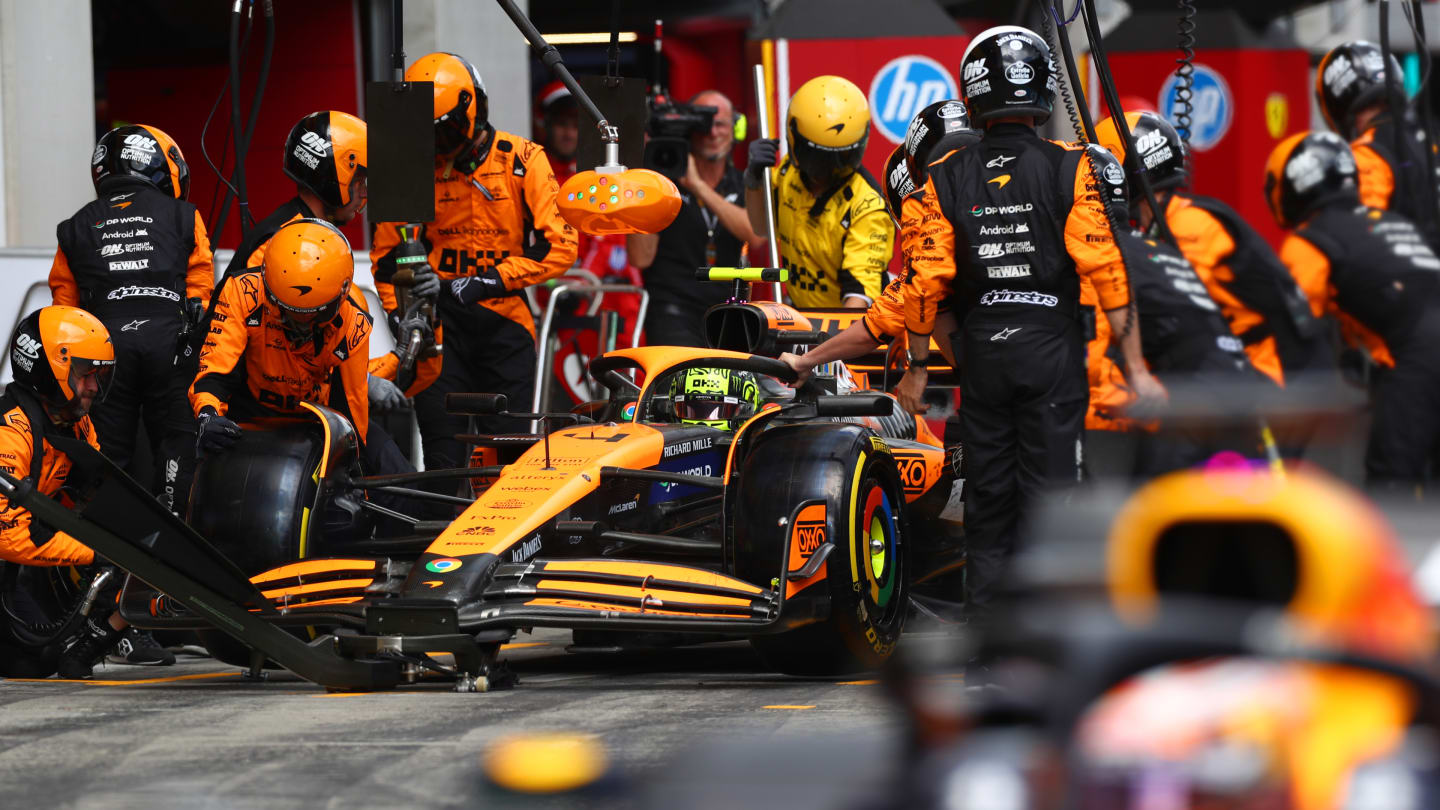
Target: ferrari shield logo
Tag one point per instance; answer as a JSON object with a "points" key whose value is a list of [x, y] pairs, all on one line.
{"points": [[1277, 115]]}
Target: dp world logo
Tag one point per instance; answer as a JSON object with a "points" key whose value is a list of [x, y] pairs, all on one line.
{"points": [[905, 86], [1213, 108]]}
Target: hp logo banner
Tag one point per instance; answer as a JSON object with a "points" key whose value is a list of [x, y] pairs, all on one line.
{"points": [[904, 87], [1214, 107]]}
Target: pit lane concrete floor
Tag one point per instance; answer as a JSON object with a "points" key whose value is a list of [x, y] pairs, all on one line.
{"points": [[695, 727]]}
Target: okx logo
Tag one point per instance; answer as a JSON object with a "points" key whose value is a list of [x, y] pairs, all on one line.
{"points": [[904, 87], [808, 534]]}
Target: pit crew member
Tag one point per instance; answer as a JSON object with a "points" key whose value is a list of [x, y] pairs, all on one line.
{"points": [[1014, 222], [496, 231], [1256, 294], [835, 235], [139, 259], [1373, 269], [291, 331], [63, 364], [1350, 90]]}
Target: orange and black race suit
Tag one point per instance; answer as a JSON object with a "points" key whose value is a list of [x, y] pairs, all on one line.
{"points": [[132, 258], [22, 540], [1391, 175], [494, 211], [386, 365], [1009, 227], [1256, 295], [248, 367], [1373, 270]]}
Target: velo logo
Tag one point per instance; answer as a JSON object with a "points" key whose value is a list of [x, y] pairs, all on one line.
{"points": [[1213, 107], [903, 87]]}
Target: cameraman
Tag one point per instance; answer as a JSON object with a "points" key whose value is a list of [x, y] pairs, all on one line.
{"points": [[709, 231]]}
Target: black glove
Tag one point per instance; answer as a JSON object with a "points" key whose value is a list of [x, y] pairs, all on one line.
{"points": [[763, 153], [216, 434], [426, 284], [486, 284], [405, 326], [385, 396]]}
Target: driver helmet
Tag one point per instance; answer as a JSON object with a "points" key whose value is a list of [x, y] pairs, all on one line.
{"points": [[718, 397], [308, 270], [55, 352]]}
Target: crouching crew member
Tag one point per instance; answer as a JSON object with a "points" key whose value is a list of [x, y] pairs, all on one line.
{"points": [[292, 331], [1374, 271], [63, 363]]}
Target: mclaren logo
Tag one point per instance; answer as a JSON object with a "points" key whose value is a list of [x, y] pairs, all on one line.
{"points": [[1001, 181], [838, 128], [302, 288]]}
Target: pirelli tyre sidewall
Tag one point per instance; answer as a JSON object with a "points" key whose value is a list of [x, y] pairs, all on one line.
{"points": [[851, 618]]}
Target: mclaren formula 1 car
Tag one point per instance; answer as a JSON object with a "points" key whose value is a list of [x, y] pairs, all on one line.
{"points": [[803, 522]]}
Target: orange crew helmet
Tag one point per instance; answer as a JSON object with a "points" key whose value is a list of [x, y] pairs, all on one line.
{"points": [[141, 151], [462, 107], [324, 153], [308, 270], [64, 356]]}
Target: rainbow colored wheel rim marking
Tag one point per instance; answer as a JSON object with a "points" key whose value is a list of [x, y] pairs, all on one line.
{"points": [[878, 545]]}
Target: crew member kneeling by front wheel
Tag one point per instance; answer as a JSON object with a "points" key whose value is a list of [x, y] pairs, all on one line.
{"points": [[63, 361], [294, 330]]}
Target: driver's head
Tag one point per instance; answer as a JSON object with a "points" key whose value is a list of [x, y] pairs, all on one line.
{"points": [[63, 355], [308, 269], [719, 397]]}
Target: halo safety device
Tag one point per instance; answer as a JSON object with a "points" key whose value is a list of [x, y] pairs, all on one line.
{"points": [[307, 272], [323, 153], [462, 107], [1348, 79], [54, 351], [718, 397], [1306, 171], [146, 152], [827, 128], [1007, 70]]}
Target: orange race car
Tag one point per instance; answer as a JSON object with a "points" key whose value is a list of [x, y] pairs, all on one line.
{"points": [[703, 499]]}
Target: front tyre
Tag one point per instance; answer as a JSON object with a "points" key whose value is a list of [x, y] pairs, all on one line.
{"points": [[868, 579]]}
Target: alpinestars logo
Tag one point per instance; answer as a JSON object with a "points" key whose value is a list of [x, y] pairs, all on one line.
{"points": [[134, 326], [999, 161]]}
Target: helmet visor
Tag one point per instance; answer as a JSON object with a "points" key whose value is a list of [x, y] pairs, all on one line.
{"points": [[708, 407], [89, 382], [452, 130]]}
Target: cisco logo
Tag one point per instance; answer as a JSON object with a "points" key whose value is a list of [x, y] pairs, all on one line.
{"points": [[904, 87]]}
